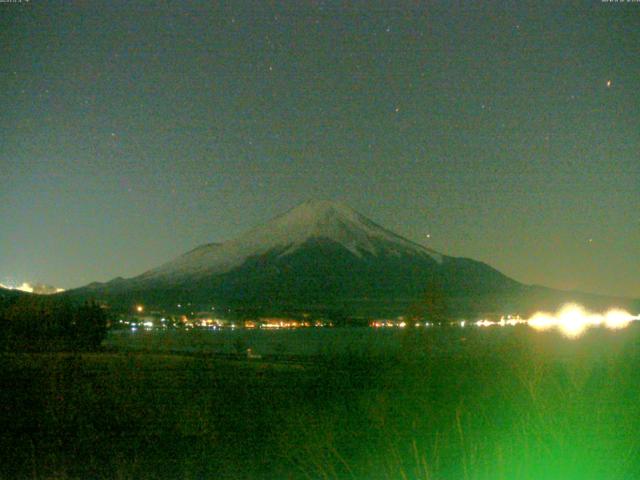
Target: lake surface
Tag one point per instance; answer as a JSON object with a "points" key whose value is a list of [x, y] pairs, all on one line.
{"points": [[303, 341], [331, 341]]}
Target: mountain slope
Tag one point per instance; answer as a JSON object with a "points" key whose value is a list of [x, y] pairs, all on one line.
{"points": [[8, 296], [322, 255], [287, 234], [317, 254]]}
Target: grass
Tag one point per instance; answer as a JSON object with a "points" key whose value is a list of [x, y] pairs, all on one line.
{"points": [[508, 404]]}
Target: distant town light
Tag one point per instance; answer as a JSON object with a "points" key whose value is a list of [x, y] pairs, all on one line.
{"points": [[615, 319], [573, 320]]}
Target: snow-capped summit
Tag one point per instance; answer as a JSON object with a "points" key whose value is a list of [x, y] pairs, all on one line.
{"points": [[287, 233], [331, 221]]}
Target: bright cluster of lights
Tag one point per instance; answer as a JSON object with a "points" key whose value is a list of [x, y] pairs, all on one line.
{"points": [[29, 288], [25, 287], [572, 320], [396, 323], [508, 321]]}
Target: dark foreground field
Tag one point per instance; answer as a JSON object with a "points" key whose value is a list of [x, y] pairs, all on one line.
{"points": [[524, 405]]}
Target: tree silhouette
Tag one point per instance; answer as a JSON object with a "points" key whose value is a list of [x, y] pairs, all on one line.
{"points": [[432, 306], [39, 323]]}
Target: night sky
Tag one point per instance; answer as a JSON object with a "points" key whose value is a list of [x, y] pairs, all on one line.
{"points": [[508, 132]]}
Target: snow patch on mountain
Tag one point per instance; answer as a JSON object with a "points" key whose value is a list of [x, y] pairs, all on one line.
{"points": [[289, 232]]}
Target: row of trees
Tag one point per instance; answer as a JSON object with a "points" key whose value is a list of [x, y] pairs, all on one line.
{"points": [[37, 323]]}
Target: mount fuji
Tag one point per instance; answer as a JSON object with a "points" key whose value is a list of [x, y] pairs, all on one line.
{"points": [[319, 255], [311, 223]]}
